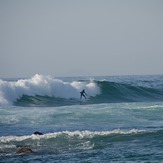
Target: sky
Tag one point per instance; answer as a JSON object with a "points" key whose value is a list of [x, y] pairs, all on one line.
{"points": [[81, 37]]}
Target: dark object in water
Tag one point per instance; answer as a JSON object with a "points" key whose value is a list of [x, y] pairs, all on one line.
{"points": [[38, 133], [24, 151]]}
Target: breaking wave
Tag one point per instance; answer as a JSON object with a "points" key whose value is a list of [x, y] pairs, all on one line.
{"points": [[48, 91], [42, 89], [66, 141]]}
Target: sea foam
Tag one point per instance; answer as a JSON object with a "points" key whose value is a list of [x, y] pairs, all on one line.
{"points": [[41, 85]]}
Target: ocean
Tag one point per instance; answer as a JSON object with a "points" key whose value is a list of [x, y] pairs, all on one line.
{"points": [[121, 120]]}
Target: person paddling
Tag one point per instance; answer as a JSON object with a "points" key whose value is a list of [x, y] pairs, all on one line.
{"points": [[83, 94]]}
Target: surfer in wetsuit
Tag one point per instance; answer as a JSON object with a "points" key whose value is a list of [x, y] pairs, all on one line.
{"points": [[82, 93]]}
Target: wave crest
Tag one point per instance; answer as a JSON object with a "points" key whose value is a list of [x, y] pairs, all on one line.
{"points": [[41, 85]]}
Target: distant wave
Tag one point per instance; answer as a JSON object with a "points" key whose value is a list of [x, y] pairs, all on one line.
{"points": [[48, 91]]}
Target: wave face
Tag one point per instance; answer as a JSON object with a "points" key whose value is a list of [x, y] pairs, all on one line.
{"points": [[48, 91], [124, 92]]}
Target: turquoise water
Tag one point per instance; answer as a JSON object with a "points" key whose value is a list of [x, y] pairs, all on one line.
{"points": [[127, 128]]}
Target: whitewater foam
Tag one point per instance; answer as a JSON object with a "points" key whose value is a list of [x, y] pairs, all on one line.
{"points": [[41, 85], [77, 134]]}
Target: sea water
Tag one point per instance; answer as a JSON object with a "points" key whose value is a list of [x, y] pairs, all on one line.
{"points": [[120, 121]]}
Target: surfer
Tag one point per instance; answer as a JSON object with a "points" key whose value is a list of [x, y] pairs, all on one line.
{"points": [[82, 93]]}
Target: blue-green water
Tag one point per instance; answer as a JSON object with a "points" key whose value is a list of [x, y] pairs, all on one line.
{"points": [[121, 120]]}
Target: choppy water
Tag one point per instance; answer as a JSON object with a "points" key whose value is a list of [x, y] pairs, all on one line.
{"points": [[120, 121]]}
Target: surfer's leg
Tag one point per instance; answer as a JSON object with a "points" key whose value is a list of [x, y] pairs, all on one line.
{"points": [[84, 96]]}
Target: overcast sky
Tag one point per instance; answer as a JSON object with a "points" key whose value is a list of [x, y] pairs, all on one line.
{"points": [[81, 37]]}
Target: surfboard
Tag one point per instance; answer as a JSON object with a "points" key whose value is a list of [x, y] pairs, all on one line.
{"points": [[83, 101]]}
